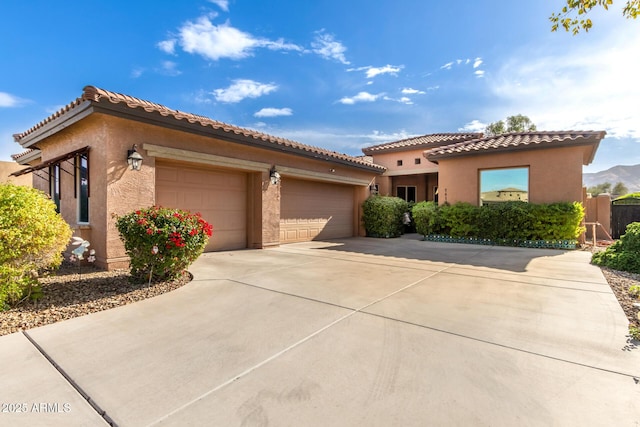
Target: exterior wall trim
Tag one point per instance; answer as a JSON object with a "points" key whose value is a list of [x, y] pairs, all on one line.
{"points": [[411, 171], [319, 176], [211, 159]]}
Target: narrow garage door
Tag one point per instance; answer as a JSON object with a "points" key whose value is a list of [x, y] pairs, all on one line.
{"points": [[313, 210], [220, 196]]}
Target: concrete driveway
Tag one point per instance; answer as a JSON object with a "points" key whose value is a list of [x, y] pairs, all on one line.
{"points": [[363, 331]]}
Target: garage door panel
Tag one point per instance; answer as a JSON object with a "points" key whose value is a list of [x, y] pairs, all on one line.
{"points": [[312, 210], [220, 196]]}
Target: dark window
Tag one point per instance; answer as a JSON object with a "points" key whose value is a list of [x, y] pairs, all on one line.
{"points": [[406, 192], [54, 185], [82, 187], [417, 161], [399, 162]]}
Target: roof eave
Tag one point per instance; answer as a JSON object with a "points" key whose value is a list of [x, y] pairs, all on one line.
{"points": [[55, 125], [195, 127], [593, 140]]}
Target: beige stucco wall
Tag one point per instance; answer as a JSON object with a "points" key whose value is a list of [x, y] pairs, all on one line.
{"points": [[116, 190], [555, 174], [409, 166], [7, 168], [423, 175], [598, 210]]}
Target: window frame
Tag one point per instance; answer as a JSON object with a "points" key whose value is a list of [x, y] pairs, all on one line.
{"points": [[81, 194], [54, 185], [508, 185]]}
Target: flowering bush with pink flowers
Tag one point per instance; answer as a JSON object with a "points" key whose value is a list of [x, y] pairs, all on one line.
{"points": [[161, 242]]}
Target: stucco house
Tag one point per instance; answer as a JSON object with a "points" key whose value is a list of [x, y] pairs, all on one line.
{"points": [[539, 167], [107, 154], [257, 190]]}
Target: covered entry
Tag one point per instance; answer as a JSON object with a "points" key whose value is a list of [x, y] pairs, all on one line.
{"points": [[311, 210], [219, 195]]}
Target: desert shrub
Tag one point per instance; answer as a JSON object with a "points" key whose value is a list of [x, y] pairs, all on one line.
{"points": [[161, 243], [624, 254], [32, 238], [425, 217], [382, 216]]}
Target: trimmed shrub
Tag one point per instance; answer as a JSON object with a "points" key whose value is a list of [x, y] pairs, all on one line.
{"points": [[624, 254], [425, 217], [382, 216], [510, 221], [32, 238], [161, 243], [557, 221], [458, 220]]}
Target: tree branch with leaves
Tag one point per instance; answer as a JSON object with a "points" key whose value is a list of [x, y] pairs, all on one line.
{"points": [[572, 16]]}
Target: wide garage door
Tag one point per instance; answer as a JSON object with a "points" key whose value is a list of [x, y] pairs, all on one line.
{"points": [[314, 210], [219, 195]]}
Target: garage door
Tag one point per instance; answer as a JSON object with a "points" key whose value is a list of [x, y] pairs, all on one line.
{"points": [[313, 210], [220, 196]]}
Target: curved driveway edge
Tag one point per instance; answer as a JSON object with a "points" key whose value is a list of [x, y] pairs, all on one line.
{"points": [[352, 332]]}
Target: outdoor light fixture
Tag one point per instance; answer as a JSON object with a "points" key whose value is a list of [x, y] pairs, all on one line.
{"points": [[274, 176], [134, 159]]}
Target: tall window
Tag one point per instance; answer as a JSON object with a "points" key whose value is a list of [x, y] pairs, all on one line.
{"points": [[406, 192], [82, 187], [54, 185], [504, 185]]}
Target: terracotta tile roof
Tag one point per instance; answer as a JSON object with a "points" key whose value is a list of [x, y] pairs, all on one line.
{"points": [[435, 139], [516, 141], [25, 153], [96, 95]]}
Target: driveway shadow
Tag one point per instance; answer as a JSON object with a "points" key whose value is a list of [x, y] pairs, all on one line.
{"points": [[412, 247]]}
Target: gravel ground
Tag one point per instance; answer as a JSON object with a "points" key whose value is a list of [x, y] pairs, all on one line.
{"points": [[620, 282], [73, 292]]}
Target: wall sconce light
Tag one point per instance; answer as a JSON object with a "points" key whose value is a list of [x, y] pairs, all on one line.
{"points": [[134, 159], [373, 189], [274, 176]]}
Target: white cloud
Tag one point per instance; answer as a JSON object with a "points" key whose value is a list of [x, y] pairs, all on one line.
{"points": [[327, 47], [360, 97], [222, 4], [473, 126], [243, 88], [137, 72], [387, 69], [273, 112], [167, 46], [339, 139], [593, 85], [8, 100], [479, 73], [169, 68], [477, 62], [411, 91], [402, 100], [447, 66], [214, 42]]}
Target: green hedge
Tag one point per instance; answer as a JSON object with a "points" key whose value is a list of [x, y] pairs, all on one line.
{"points": [[624, 254], [382, 216], [511, 221]]}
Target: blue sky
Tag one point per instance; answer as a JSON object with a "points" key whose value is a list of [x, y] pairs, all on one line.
{"points": [[341, 75]]}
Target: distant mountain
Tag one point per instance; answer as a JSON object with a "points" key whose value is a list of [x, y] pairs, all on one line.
{"points": [[628, 175]]}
